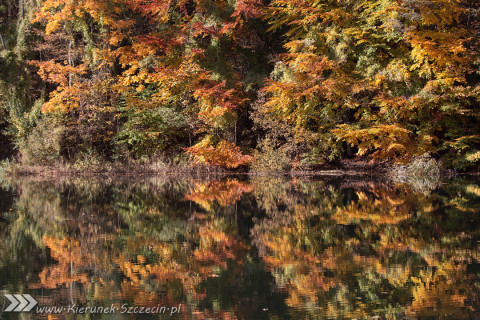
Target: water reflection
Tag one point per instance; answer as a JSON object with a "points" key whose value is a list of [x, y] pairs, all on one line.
{"points": [[238, 248]]}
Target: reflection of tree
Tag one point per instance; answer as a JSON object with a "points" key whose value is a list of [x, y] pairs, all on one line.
{"points": [[35, 209], [381, 206], [325, 251], [224, 193], [443, 292], [382, 249], [218, 244], [147, 245], [71, 260]]}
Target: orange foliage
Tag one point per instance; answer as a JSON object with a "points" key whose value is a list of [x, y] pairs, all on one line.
{"points": [[71, 261], [224, 154]]}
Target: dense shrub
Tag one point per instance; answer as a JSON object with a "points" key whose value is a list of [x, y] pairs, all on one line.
{"points": [[43, 144], [270, 158], [422, 173]]}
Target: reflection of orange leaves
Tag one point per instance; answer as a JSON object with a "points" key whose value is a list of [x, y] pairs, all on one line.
{"points": [[385, 210], [282, 251], [440, 292], [167, 266], [142, 297], [396, 274], [306, 285], [71, 261], [405, 243], [224, 192], [216, 246], [305, 267], [224, 154], [207, 314], [54, 277], [473, 189]]}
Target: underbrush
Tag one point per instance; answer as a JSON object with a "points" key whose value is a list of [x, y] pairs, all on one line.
{"points": [[423, 173], [92, 164]]}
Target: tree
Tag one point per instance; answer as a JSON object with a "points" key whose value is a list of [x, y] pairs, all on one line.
{"points": [[392, 78]]}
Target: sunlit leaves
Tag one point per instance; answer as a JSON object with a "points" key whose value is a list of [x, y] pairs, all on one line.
{"points": [[388, 141], [224, 154], [389, 79], [391, 65]]}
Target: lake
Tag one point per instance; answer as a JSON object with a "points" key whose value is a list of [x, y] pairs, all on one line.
{"points": [[241, 247]]}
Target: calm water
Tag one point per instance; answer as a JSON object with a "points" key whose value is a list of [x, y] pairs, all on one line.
{"points": [[240, 248]]}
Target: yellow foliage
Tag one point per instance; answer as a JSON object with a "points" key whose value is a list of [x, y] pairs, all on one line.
{"points": [[224, 154]]}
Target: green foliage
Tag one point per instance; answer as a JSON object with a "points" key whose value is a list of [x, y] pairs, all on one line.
{"points": [[22, 119], [150, 132], [394, 79], [462, 152], [271, 158], [88, 160], [43, 144], [389, 79]]}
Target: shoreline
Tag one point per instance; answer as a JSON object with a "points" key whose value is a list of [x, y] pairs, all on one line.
{"points": [[110, 169]]}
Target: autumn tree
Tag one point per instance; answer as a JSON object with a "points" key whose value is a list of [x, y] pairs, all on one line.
{"points": [[303, 81], [392, 78]]}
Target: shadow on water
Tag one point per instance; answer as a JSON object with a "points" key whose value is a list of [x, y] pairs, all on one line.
{"points": [[242, 248]]}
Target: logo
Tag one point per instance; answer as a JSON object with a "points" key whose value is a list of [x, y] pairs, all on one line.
{"points": [[26, 303], [20, 302]]}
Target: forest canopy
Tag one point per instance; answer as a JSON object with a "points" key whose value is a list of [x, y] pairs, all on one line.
{"points": [[266, 84]]}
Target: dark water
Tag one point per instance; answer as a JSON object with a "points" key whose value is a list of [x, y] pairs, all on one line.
{"points": [[241, 248]]}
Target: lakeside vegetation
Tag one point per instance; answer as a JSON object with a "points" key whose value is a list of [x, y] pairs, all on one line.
{"points": [[280, 85]]}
